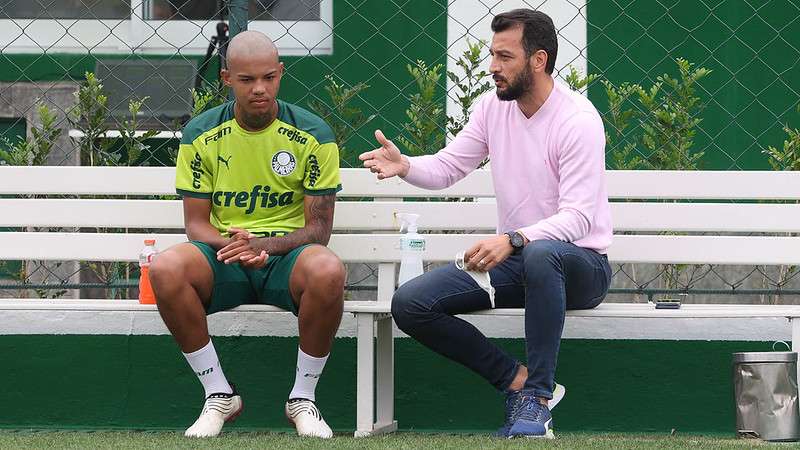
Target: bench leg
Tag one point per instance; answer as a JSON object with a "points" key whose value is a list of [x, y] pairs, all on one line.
{"points": [[795, 321], [365, 378], [366, 382], [385, 378]]}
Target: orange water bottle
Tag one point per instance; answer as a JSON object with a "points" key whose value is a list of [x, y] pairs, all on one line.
{"points": [[146, 256]]}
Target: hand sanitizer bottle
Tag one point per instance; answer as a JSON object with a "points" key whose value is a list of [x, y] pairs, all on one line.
{"points": [[412, 246]]}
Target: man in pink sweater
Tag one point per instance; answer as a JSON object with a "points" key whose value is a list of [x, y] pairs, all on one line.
{"points": [[546, 145]]}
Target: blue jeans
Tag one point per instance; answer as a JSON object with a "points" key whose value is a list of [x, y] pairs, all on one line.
{"points": [[546, 278]]}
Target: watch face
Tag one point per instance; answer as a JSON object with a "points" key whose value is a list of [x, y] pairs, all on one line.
{"points": [[516, 240]]}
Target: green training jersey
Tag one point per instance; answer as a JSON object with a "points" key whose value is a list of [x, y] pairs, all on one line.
{"points": [[257, 180]]}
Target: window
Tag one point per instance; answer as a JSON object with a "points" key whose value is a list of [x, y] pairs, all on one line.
{"points": [[66, 9], [298, 27], [273, 10]]}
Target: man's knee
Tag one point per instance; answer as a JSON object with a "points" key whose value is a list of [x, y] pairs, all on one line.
{"points": [[326, 275], [166, 270], [178, 268]]}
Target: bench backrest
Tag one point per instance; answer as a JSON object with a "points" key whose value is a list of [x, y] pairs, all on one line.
{"points": [[750, 214]]}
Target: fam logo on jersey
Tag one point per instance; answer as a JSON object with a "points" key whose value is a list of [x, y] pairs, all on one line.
{"points": [[283, 163], [218, 135]]}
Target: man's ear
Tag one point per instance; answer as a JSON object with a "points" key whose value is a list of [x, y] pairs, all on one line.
{"points": [[538, 60], [225, 74]]}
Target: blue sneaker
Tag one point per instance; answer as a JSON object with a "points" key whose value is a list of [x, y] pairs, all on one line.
{"points": [[512, 407], [533, 419]]}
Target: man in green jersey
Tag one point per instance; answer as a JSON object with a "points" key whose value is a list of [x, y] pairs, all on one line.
{"points": [[259, 178]]}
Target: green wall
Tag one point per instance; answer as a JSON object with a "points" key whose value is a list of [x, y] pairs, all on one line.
{"points": [[142, 382], [12, 129], [373, 43], [753, 55]]}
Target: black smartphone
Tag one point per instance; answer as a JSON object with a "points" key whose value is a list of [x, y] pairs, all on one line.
{"points": [[666, 304]]}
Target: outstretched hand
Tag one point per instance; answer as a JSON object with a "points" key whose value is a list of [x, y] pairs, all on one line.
{"points": [[386, 160]]}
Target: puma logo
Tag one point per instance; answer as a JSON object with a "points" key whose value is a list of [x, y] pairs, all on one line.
{"points": [[221, 159]]}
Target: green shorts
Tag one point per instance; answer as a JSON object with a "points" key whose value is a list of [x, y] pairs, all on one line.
{"points": [[235, 285]]}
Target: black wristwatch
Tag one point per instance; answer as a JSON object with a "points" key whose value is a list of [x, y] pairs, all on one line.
{"points": [[517, 241]]}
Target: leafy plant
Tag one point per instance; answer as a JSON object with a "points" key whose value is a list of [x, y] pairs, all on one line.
{"points": [[344, 119], [132, 144], [666, 117], [90, 117], [618, 120], [425, 113], [205, 99], [33, 151], [578, 82], [788, 156], [469, 87], [673, 111]]}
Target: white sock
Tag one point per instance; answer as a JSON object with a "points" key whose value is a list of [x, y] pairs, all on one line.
{"points": [[309, 369], [206, 365]]}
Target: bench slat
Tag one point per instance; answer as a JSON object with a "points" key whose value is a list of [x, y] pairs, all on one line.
{"points": [[161, 181], [365, 216], [725, 250], [704, 184], [706, 217], [87, 180], [758, 250], [120, 213], [756, 185], [363, 183], [112, 213], [37, 304], [686, 311]]}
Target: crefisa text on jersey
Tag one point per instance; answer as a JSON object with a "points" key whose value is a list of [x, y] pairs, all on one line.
{"points": [[197, 170], [259, 196], [293, 135]]}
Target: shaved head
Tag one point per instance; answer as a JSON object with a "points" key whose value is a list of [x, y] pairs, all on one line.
{"points": [[254, 74], [250, 44]]}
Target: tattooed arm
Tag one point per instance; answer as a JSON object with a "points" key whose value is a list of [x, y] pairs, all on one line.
{"points": [[317, 230]]}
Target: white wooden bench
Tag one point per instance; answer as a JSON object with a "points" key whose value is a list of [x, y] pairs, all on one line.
{"points": [[364, 231]]}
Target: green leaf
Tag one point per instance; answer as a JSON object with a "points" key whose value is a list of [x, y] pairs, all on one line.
{"points": [[344, 118]]}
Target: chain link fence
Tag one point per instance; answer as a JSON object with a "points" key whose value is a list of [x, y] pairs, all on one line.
{"points": [[706, 84]]}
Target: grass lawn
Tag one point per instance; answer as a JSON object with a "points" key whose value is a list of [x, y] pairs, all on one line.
{"points": [[409, 441]]}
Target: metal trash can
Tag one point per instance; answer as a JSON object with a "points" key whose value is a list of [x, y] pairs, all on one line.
{"points": [[765, 391]]}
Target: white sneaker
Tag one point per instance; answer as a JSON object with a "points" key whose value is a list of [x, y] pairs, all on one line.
{"points": [[218, 409], [558, 394], [306, 418]]}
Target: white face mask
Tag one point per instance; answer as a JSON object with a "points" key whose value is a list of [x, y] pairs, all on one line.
{"points": [[482, 278]]}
